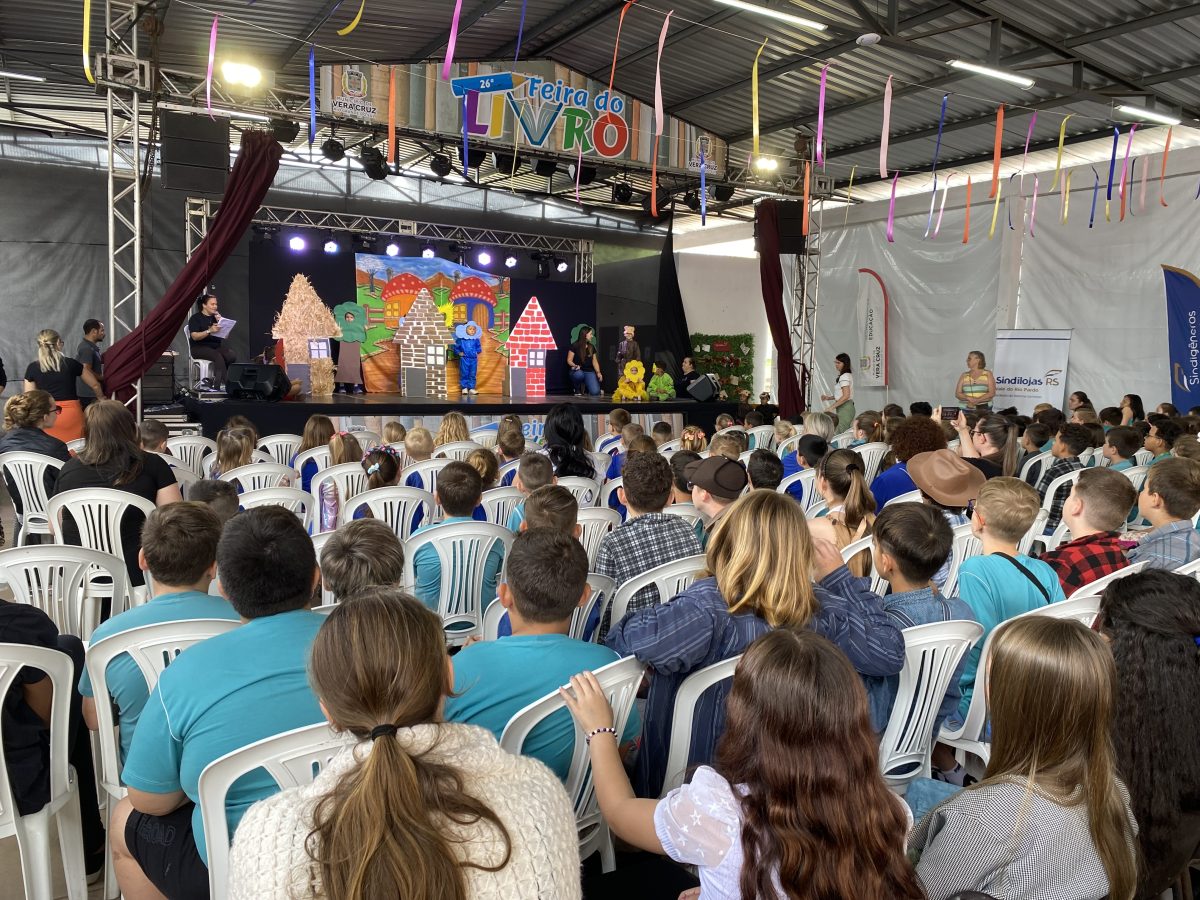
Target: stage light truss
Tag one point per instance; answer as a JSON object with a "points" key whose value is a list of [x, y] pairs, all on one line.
{"points": [[802, 294]]}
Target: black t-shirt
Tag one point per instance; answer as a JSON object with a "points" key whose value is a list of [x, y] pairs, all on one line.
{"points": [[584, 351], [986, 466], [155, 474], [61, 384], [682, 382], [32, 440], [201, 322], [26, 737]]}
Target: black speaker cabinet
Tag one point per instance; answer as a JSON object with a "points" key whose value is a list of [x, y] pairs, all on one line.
{"points": [[704, 388], [791, 227], [249, 381], [195, 153]]}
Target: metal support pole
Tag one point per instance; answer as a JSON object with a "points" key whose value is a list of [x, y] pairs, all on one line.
{"points": [[802, 301]]}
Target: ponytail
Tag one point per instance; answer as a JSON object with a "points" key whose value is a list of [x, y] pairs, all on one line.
{"points": [[846, 473], [1001, 434], [49, 356], [1008, 462]]}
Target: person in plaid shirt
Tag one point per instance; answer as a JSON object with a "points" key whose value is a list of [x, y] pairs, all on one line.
{"points": [[1094, 511], [1169, 499], [1070, 441]]}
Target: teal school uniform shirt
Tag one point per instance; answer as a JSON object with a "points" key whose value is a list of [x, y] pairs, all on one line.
{"points": [[126, 685], [218, 696], [428, 569], [996, 590], [1122, 465], [497, 679], [516, 518]]}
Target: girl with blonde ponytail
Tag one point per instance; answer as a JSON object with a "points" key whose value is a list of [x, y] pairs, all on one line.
{"points": [[842, 481], [56, 374], [416, 808]]}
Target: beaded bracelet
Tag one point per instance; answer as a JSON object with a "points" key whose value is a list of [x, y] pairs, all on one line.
{"points": [[592, 734]]}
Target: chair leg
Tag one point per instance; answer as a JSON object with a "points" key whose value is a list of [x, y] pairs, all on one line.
{"points": [[111, 890], [33, 840], [608, 856], [70, 841]]}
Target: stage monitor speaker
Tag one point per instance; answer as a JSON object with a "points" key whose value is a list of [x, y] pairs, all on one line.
{"points": [[249, 381], [195, 153], [791, 227], [704, 388]]}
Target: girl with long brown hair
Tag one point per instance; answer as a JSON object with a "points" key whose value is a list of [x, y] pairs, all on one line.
{"points": [[991, 444], [317, 432], [417, 808], [841, 480], [343, 448], [794, 805], [760, 568], [1050, 819]]}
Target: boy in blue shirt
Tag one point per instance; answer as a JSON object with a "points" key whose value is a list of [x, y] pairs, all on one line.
{"points": [[534, 471], [1120, 445], [218, 696], [361, 554], [1162, 436], [493, 680], [179, 550]]}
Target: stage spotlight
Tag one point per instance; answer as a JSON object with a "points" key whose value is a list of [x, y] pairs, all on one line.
{"points": [[331, 246], [506, 163], [561, 265], [543, 263], [484, 258], [441, 165], [510, 261], [722, 193], [475, 158], [766, 164], [545, 168], [664, 204], [428, 252], [285, 130], [333, 150], [297, 244], [393, 249], [373, 163], [622, 192], [692, 201], [236, 74]]}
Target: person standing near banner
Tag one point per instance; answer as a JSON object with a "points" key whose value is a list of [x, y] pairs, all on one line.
{"points": [[584, 363], [843, 401], [976, 386]]}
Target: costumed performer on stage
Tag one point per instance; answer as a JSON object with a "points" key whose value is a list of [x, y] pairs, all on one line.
{"points": [[628, 350], [467, 346], [843, 403], [662, 385], [583, 361], [202, 335], [55, 373], [349, 361]]}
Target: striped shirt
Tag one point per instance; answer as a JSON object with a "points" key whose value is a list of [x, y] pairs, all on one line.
{"points": [[1168, 547]]}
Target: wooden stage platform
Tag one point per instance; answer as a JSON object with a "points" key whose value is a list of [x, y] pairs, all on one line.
{"points": [[289, 416]]}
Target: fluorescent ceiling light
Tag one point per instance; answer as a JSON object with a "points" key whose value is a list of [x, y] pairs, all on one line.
{"points": [[1139, 113], [18, 76], [998, 74], [775, 14]]}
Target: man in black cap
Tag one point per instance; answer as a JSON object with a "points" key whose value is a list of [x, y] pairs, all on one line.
{"points": [[716, 482]]}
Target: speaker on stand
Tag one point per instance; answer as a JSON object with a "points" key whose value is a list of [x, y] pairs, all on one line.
{"points": [[250, 381]]}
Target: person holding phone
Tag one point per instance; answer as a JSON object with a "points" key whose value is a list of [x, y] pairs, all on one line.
{"points": [[976, 386], [202, 335]]}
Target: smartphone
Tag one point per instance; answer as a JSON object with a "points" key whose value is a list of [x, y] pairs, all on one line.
{"points": [[950, 413]]}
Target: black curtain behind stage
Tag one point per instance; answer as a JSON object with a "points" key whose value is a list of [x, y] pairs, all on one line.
{"points": [[272, 268], [565, 305]]}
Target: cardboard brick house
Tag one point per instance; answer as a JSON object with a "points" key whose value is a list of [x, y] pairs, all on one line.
{"points": [[421, 341], [528, 345]]}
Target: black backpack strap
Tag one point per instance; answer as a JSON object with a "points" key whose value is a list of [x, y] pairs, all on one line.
{"points": [[1024, 571]]}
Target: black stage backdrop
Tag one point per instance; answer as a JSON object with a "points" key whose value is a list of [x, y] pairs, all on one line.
{"points": [[565, 305], [272, 268]]}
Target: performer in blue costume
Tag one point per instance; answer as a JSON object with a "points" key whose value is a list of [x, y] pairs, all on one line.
{"points": [[467, 347]]}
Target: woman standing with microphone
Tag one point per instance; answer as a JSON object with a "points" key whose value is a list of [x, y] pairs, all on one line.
{"points": [[976, 386]]}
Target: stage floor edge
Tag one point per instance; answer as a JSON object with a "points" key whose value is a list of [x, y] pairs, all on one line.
{"points": [[288, 417]]}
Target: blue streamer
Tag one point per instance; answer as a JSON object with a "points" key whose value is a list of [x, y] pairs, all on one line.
{"points": [[312, 94], [703, 188], [466, 172], [1095, 194], [520, 31], [937, 150], [1197, 197], [1112, 163], [1008, 200]]}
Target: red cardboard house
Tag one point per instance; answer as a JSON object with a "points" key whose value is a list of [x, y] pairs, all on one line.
{"points": [[528, 345]]}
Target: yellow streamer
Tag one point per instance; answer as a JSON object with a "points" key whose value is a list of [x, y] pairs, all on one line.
{"points": [[1062, 136], [996, 208], [849, 194], [1066, 193], [753, 94], [354, 22], [87, 40]]}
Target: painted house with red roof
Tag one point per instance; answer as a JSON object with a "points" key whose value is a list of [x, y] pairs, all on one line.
{"points": [[398, 295], [528, 345], [472, 297]]}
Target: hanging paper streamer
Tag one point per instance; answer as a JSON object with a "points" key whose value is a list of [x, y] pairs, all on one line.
{"points": [[353, 22], [466, 135], [703, 188], [1132, 176], [393, 144], [995, 212], [617, 46], [578, 173], [1033, 206], [1141, 187], [1008, 206], [891, 223], [942, 208], [449, 61], [1095, 194], [807, 202], [1062, 136], [658, 113], [887, 123], [967, 224], [212, 55], [849, 194], [1112, 168], [521, 33], [1163, 174], [996, 152], [937, 151], [1066, 195], [87, 41], [754, 98], [312, 94], [1125, 167], [932, 202], [821, 117], [1028, 138]]}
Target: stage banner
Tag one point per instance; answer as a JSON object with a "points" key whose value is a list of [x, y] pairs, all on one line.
{"points": [[1183, 342], [1031, 368], [873, 305], [545, 106]]}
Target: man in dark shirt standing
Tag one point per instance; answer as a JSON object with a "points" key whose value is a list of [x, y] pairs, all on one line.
{"points": [[88, 354], [202, 329]]}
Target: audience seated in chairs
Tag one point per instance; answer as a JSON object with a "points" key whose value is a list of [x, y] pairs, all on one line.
{"points": [[343, 448], [219, 496], [916, 434], [1070, 441], [1096, 508], [317, 432], [851, 507], [534, 471], [1170, 497], [765, 470], [361, 554], [716, 483]]}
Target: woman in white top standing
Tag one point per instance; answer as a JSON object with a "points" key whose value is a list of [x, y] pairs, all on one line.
{"points": [[795, 806], [417, 808], [843, 402]]}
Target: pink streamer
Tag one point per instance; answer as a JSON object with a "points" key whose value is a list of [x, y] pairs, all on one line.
{"points": [[1028, 137], [1033, 206], [212, 55], [821, 117], [891, 223], [887, 123], [941, 209], [658, 114], [449, 62]]}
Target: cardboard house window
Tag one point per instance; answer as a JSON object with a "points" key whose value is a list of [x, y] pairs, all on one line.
{"points": [[460, 314], [537, 359], [435, 355], [318, 348]]}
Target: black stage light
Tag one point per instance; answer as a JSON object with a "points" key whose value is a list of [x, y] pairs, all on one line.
{"points": [[475, 158], [333, 150], [722, 193], [373, 163], [587, 174], [692, 201], [285, 130], [545, 168], [441, 165], [664, 203], [542, 261], [507, 164], [622, 192]]}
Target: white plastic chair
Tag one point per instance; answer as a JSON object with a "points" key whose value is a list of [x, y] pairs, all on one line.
{"points": [[819, 505], [1057, 537], [33, 831], [1144, 458], [366, 438], [259, 475], [76, 446], [1038, 461], [1036, 531], [586, 491], [458, 450], [191, 448], [744, 457], [909, 497], [668, 579], [1060, 481], [686, 698], [396, 506], [788, 445], [462, 550], [761, 437], [489, 622], [965, 545], [606, 492], [293, 759], [504, 480], [842, 440], [1096, 588], [427, 472], [619, 681], [256, 457], [282, 447], [318, 455], [292, 498], [685, 511], [1192, 569], [498, 503], [1137, 475], [485, 435], [807, 479], [350, 479], [602, 586], [54, 578], [669, 446], [608, 444], [27, 472], [931, 654], [184, 477], [596, 522], [872, 455], [600, 464], [198, 369], [851, 550], [319, 540]]}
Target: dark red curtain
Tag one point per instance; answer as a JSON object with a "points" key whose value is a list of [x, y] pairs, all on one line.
{"points": [[790, 397], [253, 173]]}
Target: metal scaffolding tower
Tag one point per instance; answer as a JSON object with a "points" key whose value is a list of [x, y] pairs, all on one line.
{"points": [[801, 297]]}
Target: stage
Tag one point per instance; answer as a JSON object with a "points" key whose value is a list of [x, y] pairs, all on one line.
{"points": [[372, 410]]}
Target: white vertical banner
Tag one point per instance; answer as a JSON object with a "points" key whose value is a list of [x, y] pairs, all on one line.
{"points": [[1031, 368], [873, 330]]}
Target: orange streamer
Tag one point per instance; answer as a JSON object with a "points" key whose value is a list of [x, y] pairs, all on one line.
{"points": [[807, 179], [996, 150], [967, 226]]}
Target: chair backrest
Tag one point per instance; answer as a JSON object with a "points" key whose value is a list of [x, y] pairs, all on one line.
{"points": [[97, 513], [1192, 569], [28, 473], [872, 455], [282, 447], [1096, 588], [807, 479], [259, 475], [462, 550], [1143, 457], [965, 545], [819, 505], [320, 539], [931, 655], [854, 548], [485, 435], [397, 506], [191, 448], [298, 501], [603, 588], [619, 681], [506, 479], [152, 648], [686, 699], [608, 444], [1060, 534], [427, 471], [1060, 481], [1037, 461], [668, 446], [788, 445], [685, 511], [610, 488], [54, 578], [293, 759], [1035, 532], [318, 455], [76, 445], [458, 450], [600, 464], [184, 477], [909, 497], [489, 622], [366, 438], [842, 439], [668, 579], [350, 479], [256, 456], [586, 491], [744, 458], [499, 502], [1137, 475], [761, 437], [596, 522]]}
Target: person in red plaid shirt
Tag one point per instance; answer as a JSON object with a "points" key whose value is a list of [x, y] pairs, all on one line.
{"points": [[1098, 504]]}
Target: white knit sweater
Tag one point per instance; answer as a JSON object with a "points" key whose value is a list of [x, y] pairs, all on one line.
{"points": [[269, 862]]}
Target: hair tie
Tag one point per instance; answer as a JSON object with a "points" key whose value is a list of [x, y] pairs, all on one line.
{"points": [[853, 467], [373, 468], [384, 730]]}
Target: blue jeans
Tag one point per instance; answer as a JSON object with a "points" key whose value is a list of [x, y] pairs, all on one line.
{"points": [[587, 380]]}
